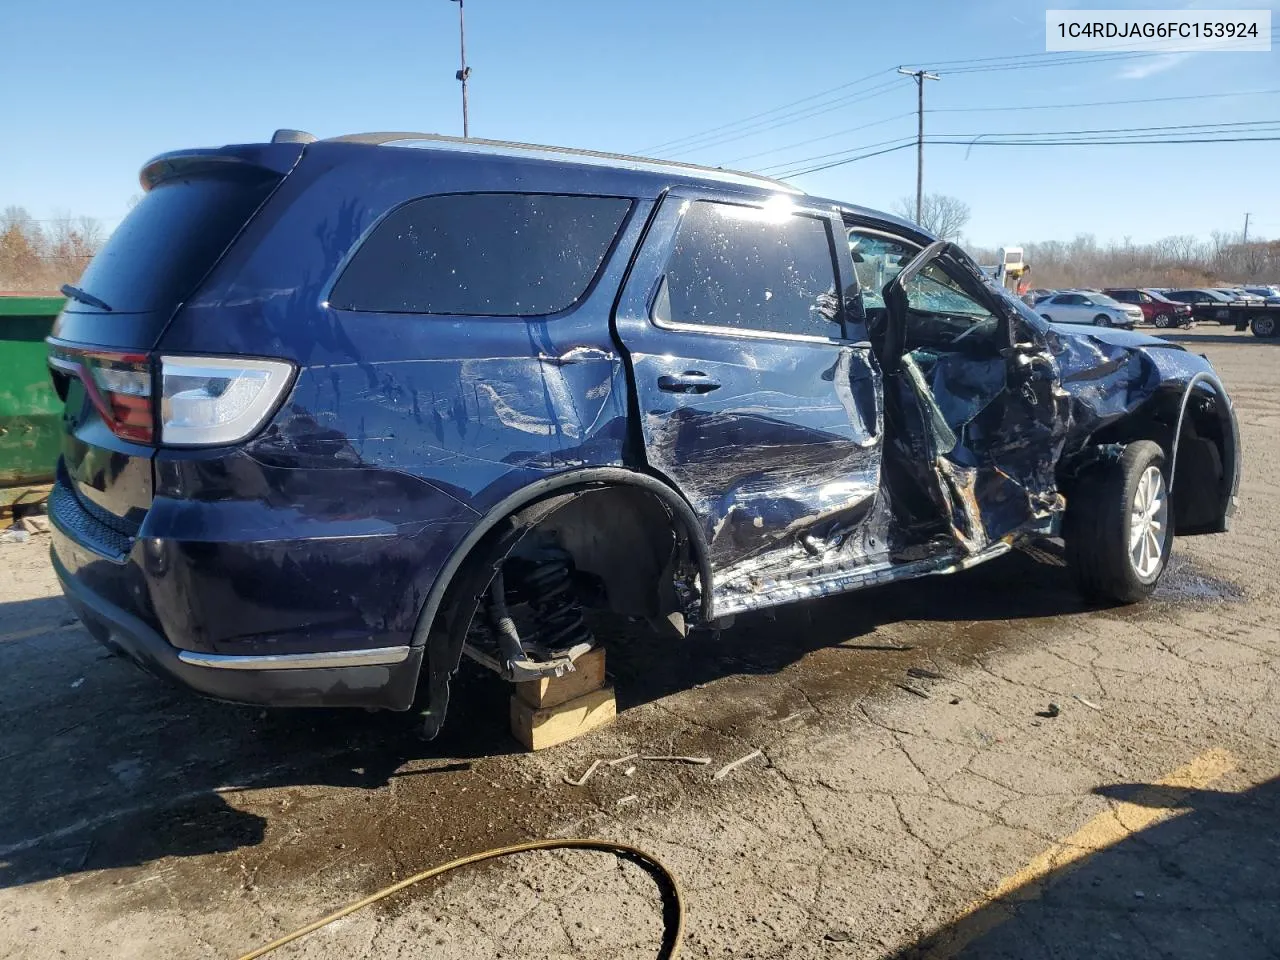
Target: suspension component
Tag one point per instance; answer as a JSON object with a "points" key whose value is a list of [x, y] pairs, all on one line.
{"points": [[531, 624]]}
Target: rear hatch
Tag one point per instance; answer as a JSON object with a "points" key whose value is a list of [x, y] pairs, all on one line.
{"points": [[101, 351]]}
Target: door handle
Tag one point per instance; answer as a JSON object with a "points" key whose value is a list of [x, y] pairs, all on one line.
{"points": [[691, 381]]}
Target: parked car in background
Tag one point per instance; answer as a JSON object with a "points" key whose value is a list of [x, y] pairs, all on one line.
{"points": [[1262, 317], [1239, 293], [1207, 304], [1032, 297], [340, 412], [1093, 308], [1157, 309], [1267, 291]]}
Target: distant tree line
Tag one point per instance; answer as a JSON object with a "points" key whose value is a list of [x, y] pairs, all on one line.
{"points": [[1172, 262], [39, 256]]}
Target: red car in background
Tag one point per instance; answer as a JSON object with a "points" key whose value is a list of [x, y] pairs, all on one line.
{"points": [[1157, 310]]}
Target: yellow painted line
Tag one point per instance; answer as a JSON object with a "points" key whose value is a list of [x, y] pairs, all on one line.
{"points": [[1155, 803]]}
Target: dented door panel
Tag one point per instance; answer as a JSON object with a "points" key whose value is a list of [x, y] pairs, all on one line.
{"points": [[774, 440]]}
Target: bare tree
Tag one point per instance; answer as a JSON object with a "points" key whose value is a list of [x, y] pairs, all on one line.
{"points": [[40, 256], [941, 215]]}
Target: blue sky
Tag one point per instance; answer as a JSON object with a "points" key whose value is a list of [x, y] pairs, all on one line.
{"points": [[91, 89]]}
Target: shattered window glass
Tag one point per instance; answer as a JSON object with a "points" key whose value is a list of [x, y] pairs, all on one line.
{"points": [[877, 260], [752, 268], [482, 254]]}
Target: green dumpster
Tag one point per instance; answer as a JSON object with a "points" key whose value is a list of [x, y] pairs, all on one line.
{"points": [[30, 412]]}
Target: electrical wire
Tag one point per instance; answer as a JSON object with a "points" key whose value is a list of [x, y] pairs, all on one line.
{"points": [[816, 110], [1025, 143], [1099, 103], [764, 113], [825, 136], [974, 64], [672, 897]]}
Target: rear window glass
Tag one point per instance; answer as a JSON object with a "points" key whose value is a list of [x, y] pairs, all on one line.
{"points": [[484, 254], [170, 240], [744, 268]]}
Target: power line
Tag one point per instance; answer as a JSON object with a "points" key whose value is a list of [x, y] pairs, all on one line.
{"points": [[1101, 103], [1136, 133], [766, 125], [978, 64], [825, 136], [765, 113], [1031, 143]]}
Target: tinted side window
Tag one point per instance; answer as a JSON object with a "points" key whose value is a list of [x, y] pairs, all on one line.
{"points": [[482, 254], [744, 268]]}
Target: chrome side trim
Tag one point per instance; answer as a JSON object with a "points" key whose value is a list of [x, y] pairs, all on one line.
{"points": [[377, 657]]}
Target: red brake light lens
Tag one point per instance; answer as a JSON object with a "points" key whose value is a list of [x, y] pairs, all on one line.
{"points": [[118, 385]]}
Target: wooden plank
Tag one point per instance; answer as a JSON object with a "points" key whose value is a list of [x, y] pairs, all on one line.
{"points": [[587, 675], [538, 729]]}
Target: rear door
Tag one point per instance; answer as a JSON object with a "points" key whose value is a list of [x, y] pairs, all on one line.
{"points": [[757, 393], [195, 204]]}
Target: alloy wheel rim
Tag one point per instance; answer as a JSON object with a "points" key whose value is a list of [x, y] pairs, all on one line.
{"points": [[1148, 524]]}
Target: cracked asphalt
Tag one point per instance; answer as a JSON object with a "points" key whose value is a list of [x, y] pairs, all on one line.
{"points": [[916, 794]]}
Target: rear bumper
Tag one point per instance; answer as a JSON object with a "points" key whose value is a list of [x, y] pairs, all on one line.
{"points": [[384, 678]]}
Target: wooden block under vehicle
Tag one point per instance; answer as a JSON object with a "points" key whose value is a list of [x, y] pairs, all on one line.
{"points": [[587, 675], [538, 728]]}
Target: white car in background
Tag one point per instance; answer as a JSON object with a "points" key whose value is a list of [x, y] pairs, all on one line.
{"points": [[1072, 306]]}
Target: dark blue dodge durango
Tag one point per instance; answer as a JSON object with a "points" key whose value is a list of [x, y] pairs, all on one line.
{"points": [[339, 412]]}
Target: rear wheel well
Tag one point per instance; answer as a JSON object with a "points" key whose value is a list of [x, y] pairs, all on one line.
{"points": [[636, 550]]}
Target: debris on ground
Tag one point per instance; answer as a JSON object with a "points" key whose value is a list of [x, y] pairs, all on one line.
{"points": [[1088, 703], [920, 673], [954, 701], [595, 764], [798, 713], [35, 524], [629, 756], [1050, 711], [910, 688], [630, 771], [673, 759], [728, 768], [629, 798], [15, 535]]}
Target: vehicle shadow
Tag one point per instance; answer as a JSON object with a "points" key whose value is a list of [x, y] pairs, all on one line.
{"points": [[1201, 884], [106, 766]]}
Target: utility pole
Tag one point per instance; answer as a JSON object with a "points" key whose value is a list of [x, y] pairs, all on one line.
{"points": [[465, 72], [920, 77], [1245, 238]]}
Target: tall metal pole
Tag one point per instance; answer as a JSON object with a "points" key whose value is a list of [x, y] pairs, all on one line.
{"points": [[1245, 239], [920, 77], [465, 72]]}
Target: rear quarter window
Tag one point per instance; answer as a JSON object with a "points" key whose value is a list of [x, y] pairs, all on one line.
{"points": [[484, 254]]}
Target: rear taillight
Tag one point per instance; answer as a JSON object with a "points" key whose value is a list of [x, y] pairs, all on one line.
{"points": [[212, 401], [202, 401], [118, 385]]}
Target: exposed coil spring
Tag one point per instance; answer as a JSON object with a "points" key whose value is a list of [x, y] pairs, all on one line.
{"points": [[540, 594]]}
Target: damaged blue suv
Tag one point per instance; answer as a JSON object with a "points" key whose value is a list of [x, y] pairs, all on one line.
{"points": [[340, 412]]}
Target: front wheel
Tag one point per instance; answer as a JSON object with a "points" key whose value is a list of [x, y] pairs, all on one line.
{"points": [[1163, 321], [1264, 327], [1118, 525], [1102, 320]]}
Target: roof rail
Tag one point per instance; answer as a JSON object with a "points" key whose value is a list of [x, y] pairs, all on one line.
{"points": [[564, 154]]}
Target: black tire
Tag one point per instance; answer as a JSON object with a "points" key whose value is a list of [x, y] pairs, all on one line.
{"points": [[1097, 527], [1263, 326], [1162, 321], [1102, 320]]}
